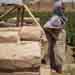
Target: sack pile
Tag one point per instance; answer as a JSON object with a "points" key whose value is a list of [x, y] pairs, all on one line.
{"points": [[26, 54]]}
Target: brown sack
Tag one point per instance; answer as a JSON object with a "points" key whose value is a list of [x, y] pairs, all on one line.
{"points": [[19, 56], [30, 33], [8, 36]]}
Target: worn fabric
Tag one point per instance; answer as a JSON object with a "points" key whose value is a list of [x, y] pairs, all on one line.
{"points": [[58, 8], [60, 48], [56, 37], [56, 48], [58, 3], [55, 22]]}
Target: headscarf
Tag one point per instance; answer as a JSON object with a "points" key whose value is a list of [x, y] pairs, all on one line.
{"points": [[58, 8]]}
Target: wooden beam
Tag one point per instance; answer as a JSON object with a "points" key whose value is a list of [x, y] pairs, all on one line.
{"points": [[7, 12], [30, 13], [22, 16], [18, 16]]}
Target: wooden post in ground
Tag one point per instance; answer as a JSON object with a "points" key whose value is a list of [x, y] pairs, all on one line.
{"points": [[18, 16], [22, 16]]}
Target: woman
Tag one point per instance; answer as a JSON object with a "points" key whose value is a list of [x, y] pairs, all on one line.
{"points": [[52, 29]]}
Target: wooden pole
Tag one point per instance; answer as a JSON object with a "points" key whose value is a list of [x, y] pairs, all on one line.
{"points": [[33, 17], [30, 13], [72, 4], [18, 16], [7, 12], [22, 16]]}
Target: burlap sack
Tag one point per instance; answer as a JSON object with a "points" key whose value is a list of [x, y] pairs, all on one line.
{"points": [[27, 20], [8, 35], [20, 56], [32, 33]]}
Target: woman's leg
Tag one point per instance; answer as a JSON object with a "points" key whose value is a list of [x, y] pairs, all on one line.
{"points": [[52, 52], [51, 44], [60, 50]]}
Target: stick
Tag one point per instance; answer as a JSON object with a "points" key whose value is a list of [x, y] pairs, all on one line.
{"points": [[18, 17], [33, 17], [22, 16], [11, 9]]}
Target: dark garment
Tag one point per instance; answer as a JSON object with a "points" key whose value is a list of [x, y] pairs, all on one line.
{"points": [[52, 36]]}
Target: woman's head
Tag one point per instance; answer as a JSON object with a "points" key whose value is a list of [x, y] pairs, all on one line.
{"points": [[58, 8]]}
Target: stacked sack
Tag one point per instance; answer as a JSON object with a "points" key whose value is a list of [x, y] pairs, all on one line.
{"points": [[21, 47]]}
